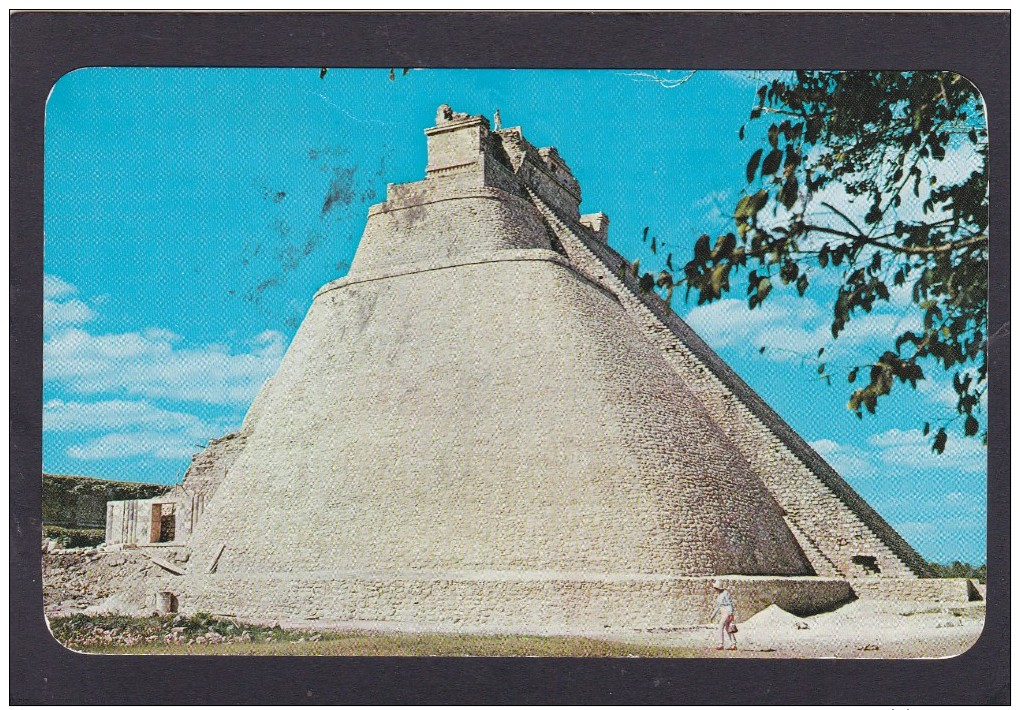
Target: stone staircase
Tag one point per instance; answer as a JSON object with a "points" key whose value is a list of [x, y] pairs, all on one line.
{"points": [[832, 523]]}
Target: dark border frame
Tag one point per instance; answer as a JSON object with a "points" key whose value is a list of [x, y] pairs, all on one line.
{"points": [[46, 45]]}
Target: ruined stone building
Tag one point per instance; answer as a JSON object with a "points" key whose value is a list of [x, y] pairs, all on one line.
{"points": [[487, 424]]}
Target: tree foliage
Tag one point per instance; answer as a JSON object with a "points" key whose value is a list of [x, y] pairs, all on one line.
{"points": [[886, 147], [957, 570]]}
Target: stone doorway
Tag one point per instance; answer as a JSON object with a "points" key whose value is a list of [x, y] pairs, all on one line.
{"points": [[164, 524]]}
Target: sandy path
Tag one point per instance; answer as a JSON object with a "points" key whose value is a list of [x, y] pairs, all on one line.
{"points": [[858, 630], [861, 629]]}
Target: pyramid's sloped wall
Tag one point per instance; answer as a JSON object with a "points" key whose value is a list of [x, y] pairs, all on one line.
{"points": [[439, 223], [511, 605], [830, 520], [501, 416]]}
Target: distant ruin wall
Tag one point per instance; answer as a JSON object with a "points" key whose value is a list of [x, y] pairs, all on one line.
{"points": [[209, 467], [80, 502]]}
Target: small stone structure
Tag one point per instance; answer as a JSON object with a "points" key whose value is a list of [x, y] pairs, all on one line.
{"points": [[79, 502], [488, 425], [170, 519]]}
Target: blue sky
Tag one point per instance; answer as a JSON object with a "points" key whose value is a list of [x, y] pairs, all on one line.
{"points": [[186, 232]]}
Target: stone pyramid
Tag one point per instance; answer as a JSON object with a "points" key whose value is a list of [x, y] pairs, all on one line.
{"points": [[487, 424]]}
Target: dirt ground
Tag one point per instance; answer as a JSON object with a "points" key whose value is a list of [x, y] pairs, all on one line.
{"points": [[861, 629]]}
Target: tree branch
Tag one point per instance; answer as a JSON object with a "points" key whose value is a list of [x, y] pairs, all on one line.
{"points": [[877, 242]]}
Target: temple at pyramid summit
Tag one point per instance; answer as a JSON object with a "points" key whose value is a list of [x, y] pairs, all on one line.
{"points": [[487, 424]]}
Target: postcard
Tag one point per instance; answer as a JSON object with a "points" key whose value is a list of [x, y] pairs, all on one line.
{"points": [[515, 362], [509, 357]]}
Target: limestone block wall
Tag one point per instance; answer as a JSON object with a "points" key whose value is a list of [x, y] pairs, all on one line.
{"points": [[133, 522], [518, 605], [457, 143], [438, 224], [529, 429], [543, 171], [129, 522], [831, 522], [917, 590]]}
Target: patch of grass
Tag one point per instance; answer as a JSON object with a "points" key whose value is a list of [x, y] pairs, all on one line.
{"points": [[202, 634], [74, 537]]}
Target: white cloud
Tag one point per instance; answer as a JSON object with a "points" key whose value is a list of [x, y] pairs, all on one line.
{"points": [[938, 388], [849, 461], [965, 502], [133, 429], [55, 287], [149, 364], [911, 450], [64, 313], [717, 199], [166, 445], [787, 326], [791, 328], [897, 453], [925, 532], [60, 416]]}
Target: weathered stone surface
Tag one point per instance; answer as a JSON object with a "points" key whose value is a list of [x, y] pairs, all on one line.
{"points": [[519, 603], [486, 425], [918, 590], [832, 523], [122, 581]]}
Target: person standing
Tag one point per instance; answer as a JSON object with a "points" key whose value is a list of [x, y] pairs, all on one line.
{"points": [[497, 122], [725, 610]]}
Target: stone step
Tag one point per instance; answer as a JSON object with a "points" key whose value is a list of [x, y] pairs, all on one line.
{"points": [[689, 366]]}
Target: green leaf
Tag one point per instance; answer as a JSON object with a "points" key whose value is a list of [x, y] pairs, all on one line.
{"points": [[724, 246], [743, 209], [789, 272], [752, 164], [970, 425], [771, 163], [788, 193], [764, 286], [702, 252], [927, 428], [939, 445], [758, 201], [761, 350], [802, 284], [852, 375], [719, 280]]}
